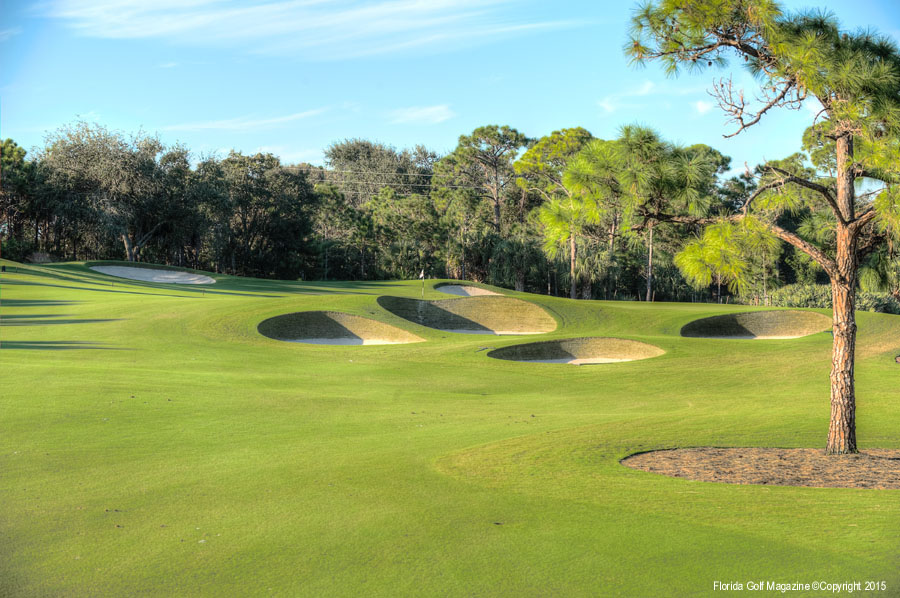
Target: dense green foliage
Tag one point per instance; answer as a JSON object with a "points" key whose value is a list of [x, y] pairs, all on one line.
{"points": [[567, 223], [819, 295]]}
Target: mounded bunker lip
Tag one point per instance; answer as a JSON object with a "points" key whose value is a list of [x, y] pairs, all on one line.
{"points": [[579, 351], [498, 315], [463, 290], [874, 468], [775, 324], [333, 328], [154, 275]]}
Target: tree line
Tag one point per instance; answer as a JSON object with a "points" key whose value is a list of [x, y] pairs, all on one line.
{"points": [[563, 214]]}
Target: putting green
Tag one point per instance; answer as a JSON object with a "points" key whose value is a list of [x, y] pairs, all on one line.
{"points": [[578, 351], [154, 443], [473, 315], [780, 324], [334, 328]]}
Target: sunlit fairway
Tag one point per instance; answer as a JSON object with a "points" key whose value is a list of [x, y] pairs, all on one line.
{"points": [[154, 443]]}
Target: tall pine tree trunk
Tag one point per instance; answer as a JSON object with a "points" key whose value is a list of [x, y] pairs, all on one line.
{"points": [[129, 247], [650, 268], [842, 427], [572, 250]]}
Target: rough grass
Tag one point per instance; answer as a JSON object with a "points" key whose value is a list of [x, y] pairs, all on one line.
{"points": [[153, 443], [331, 325], [579, 349], [483, 314], [759, 324]]}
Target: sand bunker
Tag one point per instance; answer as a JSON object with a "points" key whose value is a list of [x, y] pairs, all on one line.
{"points": [[782, 324], [333, 328], [463, 290], [154, 275], [579, 351], [877, 468], [474, 315]]}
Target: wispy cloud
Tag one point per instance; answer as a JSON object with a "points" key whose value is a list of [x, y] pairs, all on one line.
{"points": [[631, 98], [5, 34], [702, 107], [422, 115], [243, 123], [317, 29], [167, 65]]}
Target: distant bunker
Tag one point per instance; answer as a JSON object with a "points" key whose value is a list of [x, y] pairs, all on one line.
{"points": [[759, 325], [333, 328], [473, 315], [154, 275], [463, 290], [579, 351]]}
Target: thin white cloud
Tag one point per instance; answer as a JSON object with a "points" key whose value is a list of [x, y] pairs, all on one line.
{"points": [[243, 123], [167, 65], [422, 115], [5, 34], [647, 89], [702, 107], [317, 29]]}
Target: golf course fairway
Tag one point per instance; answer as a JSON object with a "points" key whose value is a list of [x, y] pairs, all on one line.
{"points": [[154, 443]]}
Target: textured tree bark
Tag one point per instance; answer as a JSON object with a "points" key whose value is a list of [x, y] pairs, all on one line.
{"points": [[129, 250], [650, 268], [842, 426], [520, 280], [572, 249]]}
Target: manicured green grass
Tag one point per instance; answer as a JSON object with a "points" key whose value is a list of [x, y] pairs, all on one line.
{"points": [[153, 443]]}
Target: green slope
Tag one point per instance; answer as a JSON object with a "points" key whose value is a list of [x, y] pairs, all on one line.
{"points": [[153, 443]]}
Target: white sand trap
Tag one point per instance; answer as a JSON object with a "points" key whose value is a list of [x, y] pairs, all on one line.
{"points": [[490, 315], [575, 361], [333, 328], [153, 275], [346, 341], [462, 290], [492, 332], [758, 325], [578, 351], [762, 338]]}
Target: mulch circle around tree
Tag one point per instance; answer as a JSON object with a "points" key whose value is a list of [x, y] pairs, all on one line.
{"points": [[876, 468]]}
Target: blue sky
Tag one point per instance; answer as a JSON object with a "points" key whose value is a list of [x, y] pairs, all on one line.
{"points": [[293, 76]]}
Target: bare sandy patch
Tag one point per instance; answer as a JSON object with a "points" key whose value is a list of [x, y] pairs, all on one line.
{"points": [[154, 275], [579, 351], [462, 290], [334, 328], [497, 315], [874, 468], [759, 325]]}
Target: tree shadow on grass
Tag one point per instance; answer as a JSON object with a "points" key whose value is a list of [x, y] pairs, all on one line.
{"points": [[427, 314], [48, 319], [57, 346], [36, 302], [315, 327]]}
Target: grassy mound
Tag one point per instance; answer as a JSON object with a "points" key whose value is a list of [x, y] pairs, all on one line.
{"points": [[579, 351], [759, 324], [463, 290], [474, 315], [333, 328]]}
